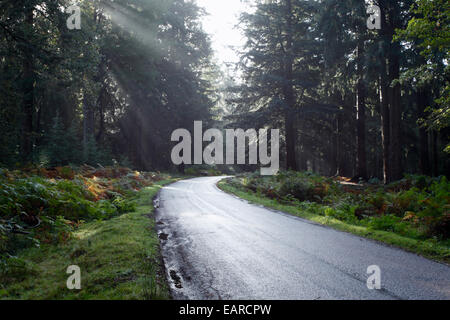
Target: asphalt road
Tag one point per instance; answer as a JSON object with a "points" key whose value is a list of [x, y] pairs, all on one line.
{"points": [[216, 246]]}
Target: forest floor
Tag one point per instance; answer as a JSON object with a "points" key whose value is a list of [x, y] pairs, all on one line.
{"points": [[380, 213], [119, 258]]}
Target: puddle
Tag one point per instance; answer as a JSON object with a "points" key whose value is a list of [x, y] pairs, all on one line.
{"points": [[176, 279], [163, 236]]}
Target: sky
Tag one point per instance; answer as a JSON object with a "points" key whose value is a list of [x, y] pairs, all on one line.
{"points": [[223, 16]]}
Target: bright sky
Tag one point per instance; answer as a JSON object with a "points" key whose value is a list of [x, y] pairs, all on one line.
{"points": [[220, 23]]}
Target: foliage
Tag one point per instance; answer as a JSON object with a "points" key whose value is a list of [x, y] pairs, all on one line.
{"points": [[416, 207], [431, 24], [203, 171], [429, 30], [62, 146], [119, 257], [13, 269], [47, 205], [315, 71], [116, 88]]}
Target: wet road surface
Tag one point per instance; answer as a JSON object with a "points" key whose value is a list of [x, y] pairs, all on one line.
{"points": [[216, 246]]}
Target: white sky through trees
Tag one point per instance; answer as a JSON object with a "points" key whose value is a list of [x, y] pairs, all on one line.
{"points": [[223, 16]]}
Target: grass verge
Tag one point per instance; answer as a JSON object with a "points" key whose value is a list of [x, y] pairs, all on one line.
{"points": [[118, 258], [428, 248]]}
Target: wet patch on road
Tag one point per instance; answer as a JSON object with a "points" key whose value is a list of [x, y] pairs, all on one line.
{"points": [[163, 236], [176, 279]]}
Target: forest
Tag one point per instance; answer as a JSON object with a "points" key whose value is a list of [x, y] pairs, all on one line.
{"points": [[115, 89], [87, 114], [351, 101]]}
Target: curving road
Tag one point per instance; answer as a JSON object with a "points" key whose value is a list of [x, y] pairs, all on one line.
{"points": [[216, 246]]}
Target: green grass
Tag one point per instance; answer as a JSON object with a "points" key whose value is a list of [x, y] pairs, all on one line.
{"points": [[429, 248], [119, 259]]}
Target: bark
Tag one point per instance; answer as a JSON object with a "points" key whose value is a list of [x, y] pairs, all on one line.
{"points": [[385, 123], [291, 163], [103, 98], [386, 36], [28, 95], [392, 20], [361, 162], [88, 122], [395, 118], [334, 148], [302, 159], [434, 136], [339, 145], [424, 153], [302, 156]]}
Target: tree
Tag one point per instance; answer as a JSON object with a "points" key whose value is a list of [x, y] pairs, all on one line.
{"points": [[429, 31], [135, 72], [279, 71]]}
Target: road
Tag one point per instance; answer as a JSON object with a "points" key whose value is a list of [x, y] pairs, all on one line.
{"points": [[216, 246]]}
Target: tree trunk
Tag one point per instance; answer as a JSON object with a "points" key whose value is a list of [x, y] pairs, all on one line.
{"points": [[302, 159], [435, 158], [88, 123], [424, 158], [392, 22], [334, 148], [385, 124], [386, 37], [395, 117], [28, 94], [361, 163], [291, 163], [102, 100], [339, 145]]}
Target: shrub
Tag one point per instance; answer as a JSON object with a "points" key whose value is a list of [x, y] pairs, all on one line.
{"points": [[105, 210], [46, 208], [384, 223], [13, 269], [122, 205], [299, 188], [417, 206], [53, 230], [436, 209]]}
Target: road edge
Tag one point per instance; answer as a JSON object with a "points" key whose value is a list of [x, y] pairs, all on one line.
{"points": [[376, 236]]}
